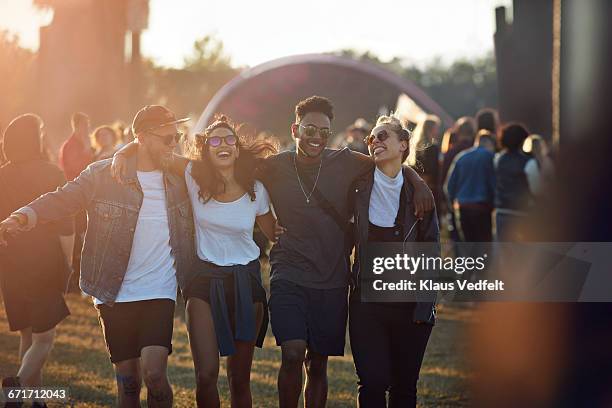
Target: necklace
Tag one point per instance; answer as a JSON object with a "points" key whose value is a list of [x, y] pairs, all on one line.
{"points": [[307, 196]]}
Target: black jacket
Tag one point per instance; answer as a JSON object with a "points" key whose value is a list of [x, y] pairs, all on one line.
{"points": [[512, 189], [426, 230]]}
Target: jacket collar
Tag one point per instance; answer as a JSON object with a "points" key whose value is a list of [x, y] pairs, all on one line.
{"points": [[367, 183], [130, 169], [365, 186]]}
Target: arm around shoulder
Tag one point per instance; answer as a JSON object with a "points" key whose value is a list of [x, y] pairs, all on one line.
{"points": [[423, 197]]}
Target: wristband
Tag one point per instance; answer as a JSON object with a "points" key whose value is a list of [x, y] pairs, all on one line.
{"points": [[21, 219]]}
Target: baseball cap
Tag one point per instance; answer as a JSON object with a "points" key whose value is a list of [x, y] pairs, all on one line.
{"points": [[154, 116]]}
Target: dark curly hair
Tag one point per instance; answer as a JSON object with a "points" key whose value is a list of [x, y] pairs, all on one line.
{"points": [[314, 104], [513, 135], [251, 151]]}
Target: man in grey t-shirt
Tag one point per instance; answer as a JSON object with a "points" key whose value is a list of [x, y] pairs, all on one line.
{"points": [[310, 191]]}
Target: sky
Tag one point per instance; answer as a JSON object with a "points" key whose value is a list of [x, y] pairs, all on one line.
{"points": [[253, 32]]}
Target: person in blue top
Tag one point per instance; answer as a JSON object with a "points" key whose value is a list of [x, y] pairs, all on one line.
{"points": [[470, 189]]}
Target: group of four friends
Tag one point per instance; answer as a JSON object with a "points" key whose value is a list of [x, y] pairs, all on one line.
{"points": [[157, 219]]}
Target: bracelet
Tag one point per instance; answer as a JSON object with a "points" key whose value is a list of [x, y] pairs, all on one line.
{"points": [[21, 219]]}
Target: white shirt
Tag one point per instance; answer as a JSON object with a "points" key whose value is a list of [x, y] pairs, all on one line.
{"points": [[385, 198], [224, 231], [151, 273], [532, 171]]}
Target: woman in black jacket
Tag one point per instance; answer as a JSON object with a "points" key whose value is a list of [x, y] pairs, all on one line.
{"points": [[388, 340], [33, 269]]}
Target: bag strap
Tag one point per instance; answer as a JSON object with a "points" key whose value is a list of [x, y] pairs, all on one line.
{"points": [[326, 206], [331, 210]]}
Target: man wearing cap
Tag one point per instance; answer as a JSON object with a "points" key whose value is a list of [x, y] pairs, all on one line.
{"points": [[138, 243]]}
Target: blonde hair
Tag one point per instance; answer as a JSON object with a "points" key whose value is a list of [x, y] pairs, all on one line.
{"points": [[398, 127], [536, 145], [421, 138], [449, 138]]}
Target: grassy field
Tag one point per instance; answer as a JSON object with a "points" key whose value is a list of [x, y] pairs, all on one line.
{"points": [[79, 360]]}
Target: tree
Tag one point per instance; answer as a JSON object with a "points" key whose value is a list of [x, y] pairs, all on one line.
{"points": [[205, 71], [461, 88], [208, 55]]}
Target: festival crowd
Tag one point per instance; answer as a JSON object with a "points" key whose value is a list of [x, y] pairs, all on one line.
{"points": [[142, 219]]}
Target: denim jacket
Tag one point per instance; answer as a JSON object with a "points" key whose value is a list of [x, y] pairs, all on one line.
{"points": [[112, 213], [426, 230]]}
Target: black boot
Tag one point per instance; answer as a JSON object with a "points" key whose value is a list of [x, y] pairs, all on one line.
{"points": [[11, 382]]}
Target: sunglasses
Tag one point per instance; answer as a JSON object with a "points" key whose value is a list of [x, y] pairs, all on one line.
{"points": [[168, 139], [215, 141], [381, 135], [311, 130]]}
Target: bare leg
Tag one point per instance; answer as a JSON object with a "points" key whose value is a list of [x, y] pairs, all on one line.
{"points": [[129, 382], [239, 367], [25, 341], [315, 390], [154, 364], [30, 372], [205, 352], [290, 373]]}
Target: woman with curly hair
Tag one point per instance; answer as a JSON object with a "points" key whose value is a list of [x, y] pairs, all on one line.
{"points": [[225, 301]]}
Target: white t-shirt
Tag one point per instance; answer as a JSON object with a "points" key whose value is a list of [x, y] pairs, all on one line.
{"points": [[534, 176], [224, 231], [151, 273], [384, 200]]}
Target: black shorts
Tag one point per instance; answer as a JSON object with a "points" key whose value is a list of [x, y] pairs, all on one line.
{"points": [[317, 316], [199, 288], [130, 326], [40, 309]]}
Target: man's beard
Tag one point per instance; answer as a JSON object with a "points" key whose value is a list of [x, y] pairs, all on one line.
{"points": [[160, 161], [165, 161]]}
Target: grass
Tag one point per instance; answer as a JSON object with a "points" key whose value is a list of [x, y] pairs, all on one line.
{"points": [[79, 361]]}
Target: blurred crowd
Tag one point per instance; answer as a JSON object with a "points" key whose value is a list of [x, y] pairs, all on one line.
{"points": [[484, 174]]}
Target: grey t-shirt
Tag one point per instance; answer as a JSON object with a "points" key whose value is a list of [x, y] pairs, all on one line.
{"points": [[311, 252]]}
